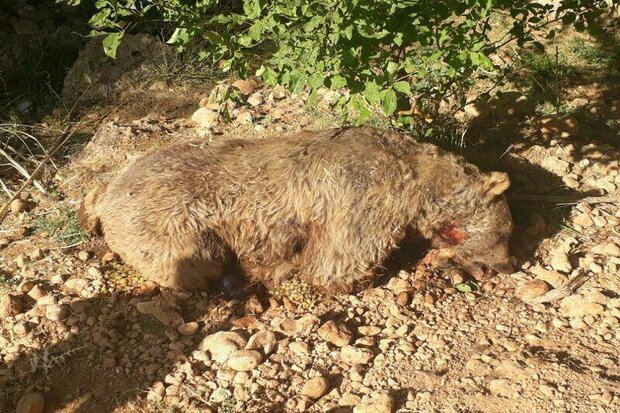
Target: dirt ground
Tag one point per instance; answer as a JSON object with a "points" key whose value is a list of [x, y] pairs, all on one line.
{"points": [[82, 332]]}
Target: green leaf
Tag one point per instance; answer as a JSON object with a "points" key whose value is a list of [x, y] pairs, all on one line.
{"points": [[316, 80], [389, 102], [337, 82], [372, 92], [402, 87], [111, 43], [464, 288], [180, 36]]}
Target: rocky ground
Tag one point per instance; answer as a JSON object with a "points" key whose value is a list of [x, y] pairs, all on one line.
{"points": [[82, 332]]}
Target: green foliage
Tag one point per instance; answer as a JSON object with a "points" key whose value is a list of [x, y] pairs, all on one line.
{"points": [[62, 227], [383, 51]]}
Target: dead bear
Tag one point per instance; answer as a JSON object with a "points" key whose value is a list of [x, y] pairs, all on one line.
{"points": [[333, 204]]}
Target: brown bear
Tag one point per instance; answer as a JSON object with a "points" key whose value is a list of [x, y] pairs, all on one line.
{"points": [[333, 204]]}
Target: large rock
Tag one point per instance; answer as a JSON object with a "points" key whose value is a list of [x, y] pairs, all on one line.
{"points": [[336, 334], [315, 388], [223, 344], [245, 360]]}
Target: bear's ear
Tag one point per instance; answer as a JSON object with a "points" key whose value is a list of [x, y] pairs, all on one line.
{"points": [[495, 184], [452, 232]]}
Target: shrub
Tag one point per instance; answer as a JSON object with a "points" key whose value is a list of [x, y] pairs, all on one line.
{"points": [[383, 51]]}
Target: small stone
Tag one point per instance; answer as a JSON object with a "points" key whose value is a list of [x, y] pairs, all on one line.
{"points": [[245, 86], [94, 272], [188, 329], [222, 344], [607, 397], [299, 347], [10, 305], [583, 220], [157, 392], [609, 249], [315, 388], [36, 254], [205, 118], [398, 285], [83, 255], [531, 289], [553, 278], [245, 117], [264, 340], [244, 360], [355, 355], [255, 99], [380, 403], [335, 334], [577, 306], [478, 110], [56, 312], [30, 403], [108, 257], [502, 388], [76, 285], [37, 292], [299, 327], [279, 92], [17, 206], [369, 330], [560, 262], [555, 165], [166, 315]]}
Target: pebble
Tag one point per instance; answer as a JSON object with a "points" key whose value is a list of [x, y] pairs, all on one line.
{"points": [[315, 388], [76, 285], [380, 403], [256, 99], [609, 249], [56, 312], [554, 278], [560, 262], [577, 306], [502, 388], [531, 289], [355, 355], [245, 86], [222, 344], [206, 118], [245, 117], [10, 305], [299, 347], [336, 334], [244, 360], [165, 315], [17, 206], [188, 329], [30, 403]]}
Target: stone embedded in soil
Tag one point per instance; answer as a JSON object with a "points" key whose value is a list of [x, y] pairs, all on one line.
{"points": [[609, 249], [315, 388], [255, 99], [17, 206], [299, 347], [553, 278], [222, 344], [76, 285], [245, 86], [36, 292], [11, 305], [398, 285], [83, 255], [578, 306], [478, 110], [502, 388], [531, 289], [336, 334], [583, 220], [188, 329], [355, 355], [299, 327], [245, 117], [555, 165], [56, 312], [30, 403], [560, 261], [165, 315], [369, 330], [379, 403], [262, 340], [244, 360], [205, 118]]}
